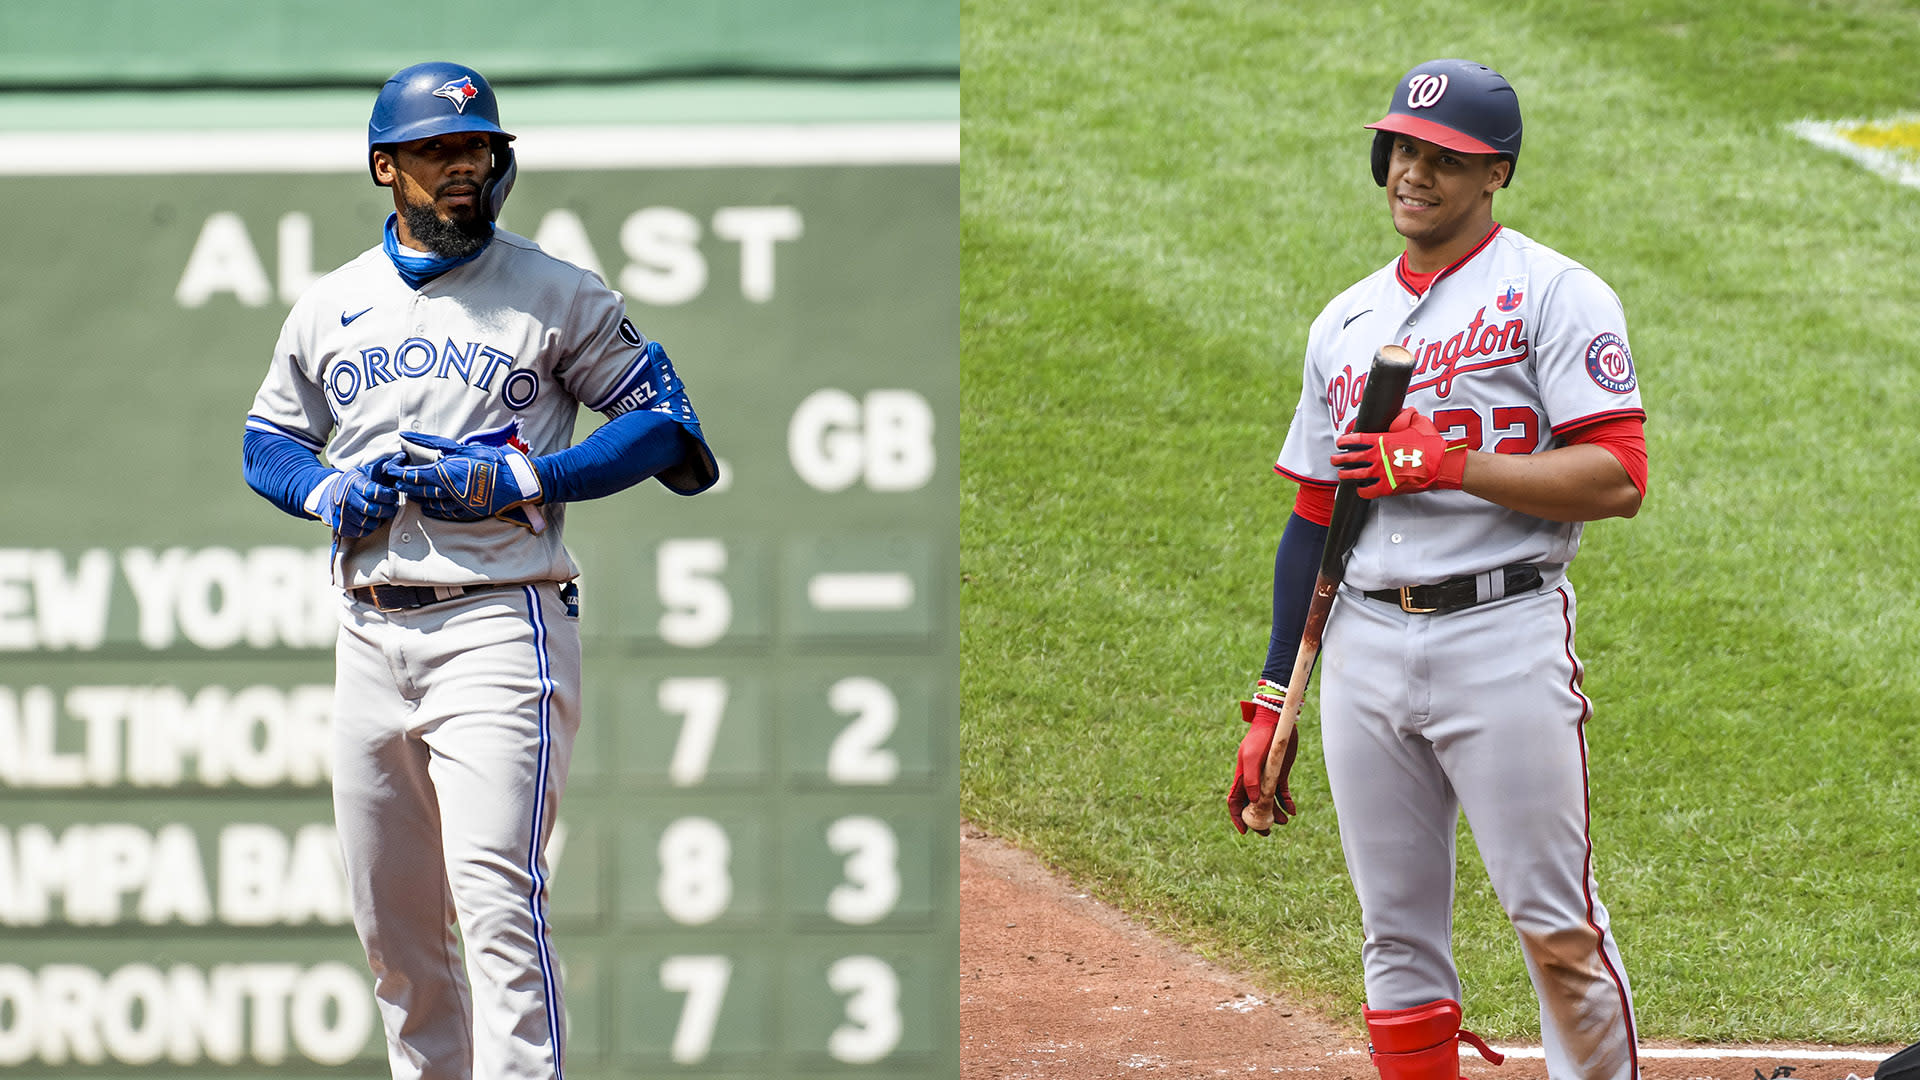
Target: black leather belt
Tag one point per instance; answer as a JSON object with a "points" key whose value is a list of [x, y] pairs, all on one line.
{"points": [[1461, 592], [403, 597]]}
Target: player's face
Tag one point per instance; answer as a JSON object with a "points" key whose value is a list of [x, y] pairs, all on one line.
{"points": [[1441, 199], [445, 172]]}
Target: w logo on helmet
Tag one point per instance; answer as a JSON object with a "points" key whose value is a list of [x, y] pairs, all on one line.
{"points": [[460, 91], [1425, 90]]}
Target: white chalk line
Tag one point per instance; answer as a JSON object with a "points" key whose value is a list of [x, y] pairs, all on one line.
{"points": [[1832, 135], [1717, 1053]]}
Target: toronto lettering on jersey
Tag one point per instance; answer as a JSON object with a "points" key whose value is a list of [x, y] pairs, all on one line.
{"points": [[1437, 362], [475, 363]]}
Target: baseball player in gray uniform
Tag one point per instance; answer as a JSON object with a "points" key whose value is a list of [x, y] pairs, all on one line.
{"points": [[440, 374], [1449, 679]]}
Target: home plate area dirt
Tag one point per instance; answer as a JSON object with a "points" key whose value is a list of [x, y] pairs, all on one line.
{"points": [[1057, 986]]}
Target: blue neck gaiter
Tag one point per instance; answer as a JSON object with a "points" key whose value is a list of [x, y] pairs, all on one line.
{"points": [[419, 267]]}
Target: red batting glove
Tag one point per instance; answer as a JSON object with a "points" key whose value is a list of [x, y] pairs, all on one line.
{"points": [[1409, 456], [1263, 713]]}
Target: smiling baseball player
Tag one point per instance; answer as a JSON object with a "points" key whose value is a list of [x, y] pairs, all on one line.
{"points": [[440, 373], [1448, 678]]}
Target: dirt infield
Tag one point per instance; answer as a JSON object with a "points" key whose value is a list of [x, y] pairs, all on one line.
{"points": [[1057, 986]]}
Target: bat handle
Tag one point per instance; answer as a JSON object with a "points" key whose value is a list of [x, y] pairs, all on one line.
{"points": [[1259, 813]]}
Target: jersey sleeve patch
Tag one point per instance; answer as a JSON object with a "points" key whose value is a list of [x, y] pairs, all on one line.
{"points": [[643, 384], [1610, 365], [652, 384]]}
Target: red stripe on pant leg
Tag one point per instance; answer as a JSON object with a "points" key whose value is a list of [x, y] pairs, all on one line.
{"points": [[1586, 875]]}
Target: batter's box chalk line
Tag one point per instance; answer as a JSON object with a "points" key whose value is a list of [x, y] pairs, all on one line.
{"points": [[1719, 1053]]}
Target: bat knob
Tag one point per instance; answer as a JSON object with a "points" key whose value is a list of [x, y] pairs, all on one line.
{"points": [[1257, 816]]}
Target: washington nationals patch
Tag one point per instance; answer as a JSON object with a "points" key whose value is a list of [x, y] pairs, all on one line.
{"points": [[1610, 364]]}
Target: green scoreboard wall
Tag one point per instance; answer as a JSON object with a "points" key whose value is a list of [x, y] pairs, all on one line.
{"points": [[756, 862]]}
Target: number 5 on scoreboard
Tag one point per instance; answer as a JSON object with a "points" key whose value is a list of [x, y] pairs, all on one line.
{"points": [[704, 980], [697, 606]]}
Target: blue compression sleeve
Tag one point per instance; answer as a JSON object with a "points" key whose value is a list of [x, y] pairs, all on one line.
{"points": [[280, 469], [1295, 567], [619, 454]]}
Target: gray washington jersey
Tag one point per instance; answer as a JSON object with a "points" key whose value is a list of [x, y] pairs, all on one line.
{"points": [[1513, 346]]}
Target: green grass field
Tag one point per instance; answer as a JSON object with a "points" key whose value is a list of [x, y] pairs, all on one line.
{"points": [[1157, 199]]}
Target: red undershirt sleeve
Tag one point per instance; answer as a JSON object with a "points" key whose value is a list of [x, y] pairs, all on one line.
{"points": [[1625, 438], [1315, 503]]}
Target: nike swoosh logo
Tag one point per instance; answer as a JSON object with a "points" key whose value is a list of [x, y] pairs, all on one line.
{"points": [[1350, 319], [346, 318]]}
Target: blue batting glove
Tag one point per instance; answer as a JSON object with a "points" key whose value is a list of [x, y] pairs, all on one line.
{"points": [[355, 503], [470, 481]]}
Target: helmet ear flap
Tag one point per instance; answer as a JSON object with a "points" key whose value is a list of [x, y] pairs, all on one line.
{"points": [[1382, 146], [505, 169]]}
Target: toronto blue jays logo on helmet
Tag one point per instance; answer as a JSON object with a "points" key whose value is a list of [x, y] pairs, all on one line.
{"points": [[459, 91]]}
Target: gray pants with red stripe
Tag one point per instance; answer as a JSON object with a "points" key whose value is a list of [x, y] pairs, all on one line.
{"points": [[453, 727], [1479, 710]]}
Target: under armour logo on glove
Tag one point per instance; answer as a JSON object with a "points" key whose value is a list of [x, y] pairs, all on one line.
{"points": [[471, 481], [1409, 456]]}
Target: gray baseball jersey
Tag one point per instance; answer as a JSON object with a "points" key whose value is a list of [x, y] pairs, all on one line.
{"points": [[1512, 346], [454, 720], [506, 348], [1479, 709]]}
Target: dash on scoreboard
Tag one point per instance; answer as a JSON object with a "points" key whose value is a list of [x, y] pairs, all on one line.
{"points": [[870, 591]]}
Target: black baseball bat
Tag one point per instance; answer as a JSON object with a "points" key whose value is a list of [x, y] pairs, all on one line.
{"points": [[1380, 402]]}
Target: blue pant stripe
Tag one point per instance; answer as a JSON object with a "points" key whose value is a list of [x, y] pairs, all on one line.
{"points": [[536, 899]]}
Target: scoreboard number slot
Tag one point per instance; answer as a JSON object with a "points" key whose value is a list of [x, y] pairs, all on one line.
{"points": [[695, 879], [873, 1022], [872, 869], [700, 703], [698, 607], [703, 979], [858, 754]]}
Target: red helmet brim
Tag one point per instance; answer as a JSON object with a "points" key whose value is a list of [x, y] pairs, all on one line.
{"points": [[1438, 134]]}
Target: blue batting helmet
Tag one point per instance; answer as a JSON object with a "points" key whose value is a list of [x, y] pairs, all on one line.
{"points": [[442, 98], [1457, 104]]}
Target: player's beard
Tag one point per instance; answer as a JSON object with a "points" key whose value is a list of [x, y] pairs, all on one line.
{"points": [[448, 239]]}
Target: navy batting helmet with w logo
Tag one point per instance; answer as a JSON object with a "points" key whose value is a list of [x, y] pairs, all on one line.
{"points": [[1457, 104]]}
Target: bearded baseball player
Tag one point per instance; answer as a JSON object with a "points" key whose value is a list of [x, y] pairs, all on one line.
{"points": [[1449, 679], [440, 373]]}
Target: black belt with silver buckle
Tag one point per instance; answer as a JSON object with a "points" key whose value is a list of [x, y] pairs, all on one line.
{"points": [[1460, 592], [404, 597]]}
